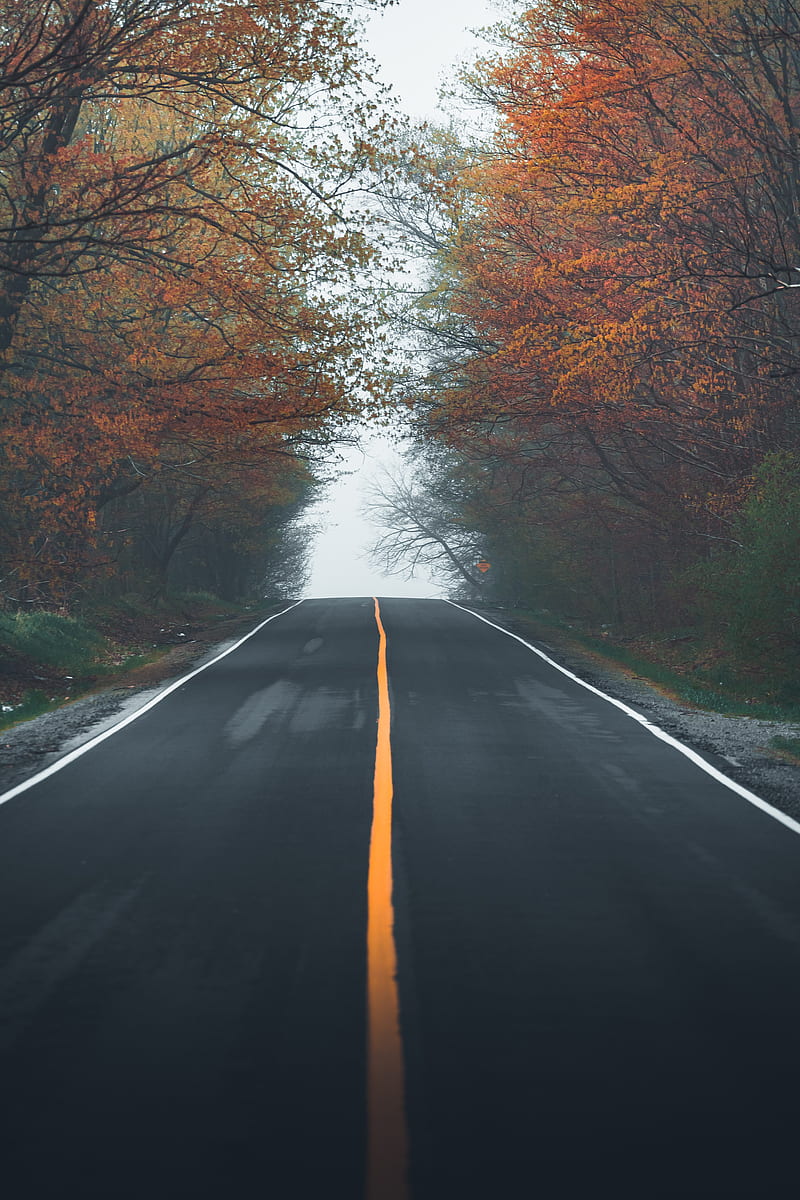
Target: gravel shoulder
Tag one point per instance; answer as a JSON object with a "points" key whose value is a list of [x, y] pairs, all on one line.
{"points": [[738, 746]]}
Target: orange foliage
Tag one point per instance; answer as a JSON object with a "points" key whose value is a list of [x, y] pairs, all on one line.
{"points": [[630, 259], [180, 281]]}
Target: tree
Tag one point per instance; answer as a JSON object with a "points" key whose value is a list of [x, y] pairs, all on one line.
{"points": [[115, 114], [228, 527], [621, 278], [181, 262], [423, 523], [639, 190], [750, 592]]}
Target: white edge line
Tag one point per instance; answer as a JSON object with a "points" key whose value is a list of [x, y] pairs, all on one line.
{"points": [[789, 822], [101, 737]]}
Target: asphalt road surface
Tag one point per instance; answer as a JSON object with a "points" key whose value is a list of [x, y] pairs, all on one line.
{"points": [[597, 943]]}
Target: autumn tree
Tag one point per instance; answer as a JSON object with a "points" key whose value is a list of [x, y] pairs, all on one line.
{"points": [[228, 527], [234, 91], [655, 240], [182, 257], [622, 275], [751, 591]]}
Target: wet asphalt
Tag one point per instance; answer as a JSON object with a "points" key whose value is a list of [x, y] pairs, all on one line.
{"points": [[598, 943]]}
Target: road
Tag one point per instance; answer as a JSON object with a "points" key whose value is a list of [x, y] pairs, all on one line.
{"points": [[596, 942]]}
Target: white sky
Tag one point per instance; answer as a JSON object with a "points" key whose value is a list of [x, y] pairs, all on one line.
{"points": [[341, 566], [419, 44]]}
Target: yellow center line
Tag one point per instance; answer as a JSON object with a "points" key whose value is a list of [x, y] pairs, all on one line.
{"points": [[387, 1139]]}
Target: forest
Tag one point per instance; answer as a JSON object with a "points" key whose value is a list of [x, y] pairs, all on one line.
{"points": [[199, 204], [607, 407], [184, 312]]}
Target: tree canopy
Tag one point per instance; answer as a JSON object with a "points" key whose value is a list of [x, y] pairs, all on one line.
{"points": [[183, 258], [611, 320]]}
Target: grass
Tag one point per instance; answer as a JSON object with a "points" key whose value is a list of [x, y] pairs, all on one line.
{"points": [[204, 601], [48, 658], [788, 746], [128, 662], [61, 650], [174, 607], [65, 643], [33, 704], [693, 673]]}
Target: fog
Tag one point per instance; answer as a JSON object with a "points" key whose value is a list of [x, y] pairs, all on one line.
{"points": [[418, 44], [341, 564]]}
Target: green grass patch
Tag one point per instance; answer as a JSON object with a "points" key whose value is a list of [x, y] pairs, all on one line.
{"points": [[659, 673], [33, 704], [203, 602], [786, 745], [65, 643], [694, 674], [47, 659], [130, 662], [174, 607]]}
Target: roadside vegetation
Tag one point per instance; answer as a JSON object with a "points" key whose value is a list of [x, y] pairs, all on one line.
{"points": [[683, 666], [189, 317], [787, 747], [47, 658], [722, 636]]}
